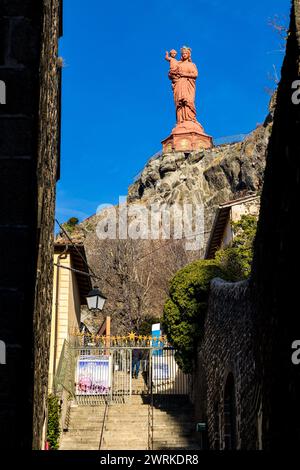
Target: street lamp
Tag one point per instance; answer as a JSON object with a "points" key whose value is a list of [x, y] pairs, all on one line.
{"points": [[95, 299]]}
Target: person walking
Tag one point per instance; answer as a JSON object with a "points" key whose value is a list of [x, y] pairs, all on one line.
{"points": [[136, 362]]}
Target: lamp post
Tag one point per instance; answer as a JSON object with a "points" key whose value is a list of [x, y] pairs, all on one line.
{"points": [[95, 301]]}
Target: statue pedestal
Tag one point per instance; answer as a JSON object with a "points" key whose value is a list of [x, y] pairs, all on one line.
{"points": [[187, 136]]}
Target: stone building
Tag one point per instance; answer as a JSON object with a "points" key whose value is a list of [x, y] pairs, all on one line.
{"points": [[221, 234], [72, 283], [29, 169], [246, 387]]}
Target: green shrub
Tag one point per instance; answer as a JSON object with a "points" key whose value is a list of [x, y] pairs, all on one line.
{"points": [[70, 226], [53, 431], [184, 311], [236, 260], [73, 221]]}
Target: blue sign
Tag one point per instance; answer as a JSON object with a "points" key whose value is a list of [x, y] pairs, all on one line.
{"points": [[156, 343]]}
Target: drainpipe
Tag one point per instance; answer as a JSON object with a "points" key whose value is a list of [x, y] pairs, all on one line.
{"points": [[62, 255]]}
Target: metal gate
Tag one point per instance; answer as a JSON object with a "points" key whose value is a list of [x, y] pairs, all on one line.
{"points": [[167, 378], [121, 382], [103, 373]]}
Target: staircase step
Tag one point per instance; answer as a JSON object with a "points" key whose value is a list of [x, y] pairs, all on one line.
{"points": [[128, 419], [123, 440], [112, 431], [79, 438], [80, 447], [171, 432], [189, 447], [79, 432], [121, 447]]}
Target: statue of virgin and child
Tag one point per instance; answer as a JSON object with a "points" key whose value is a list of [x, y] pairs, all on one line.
{"points": [[183, 74]]}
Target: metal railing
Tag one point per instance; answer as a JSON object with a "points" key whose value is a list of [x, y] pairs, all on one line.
{"points": [[121, 384], [230, 139], [63, 383], [103, 423], [150, 405], [64, 376], [167, 378]]}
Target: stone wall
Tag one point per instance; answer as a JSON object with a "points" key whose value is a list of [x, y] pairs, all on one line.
{"points": [[29, 151], [275, 278], [250, 327], [48, 170], [227, 348]]}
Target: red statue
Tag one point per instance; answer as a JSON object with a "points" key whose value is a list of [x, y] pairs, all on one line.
{"points": [[188, 133]]}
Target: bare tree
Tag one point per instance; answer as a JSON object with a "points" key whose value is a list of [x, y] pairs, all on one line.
{"points": [[280, 25], [135, 280]]}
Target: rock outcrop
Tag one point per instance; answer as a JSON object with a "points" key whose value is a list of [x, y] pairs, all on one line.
{"points": [[215, 176], [134, 274]]}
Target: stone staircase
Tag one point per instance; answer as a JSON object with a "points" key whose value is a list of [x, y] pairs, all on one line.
{"points": [[126, 424], [173, 425], [126, 427], [84, 428]]}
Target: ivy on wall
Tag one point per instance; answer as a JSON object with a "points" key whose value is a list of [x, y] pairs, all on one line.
{"points": [[184, 311], [236, 259], [53, 431]]}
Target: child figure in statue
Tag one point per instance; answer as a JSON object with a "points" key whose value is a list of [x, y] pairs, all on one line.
{"points": [[173, 65], [171, 58]]}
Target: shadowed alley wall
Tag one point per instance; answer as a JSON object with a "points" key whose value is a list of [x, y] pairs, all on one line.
{"points": [[29, 166]]}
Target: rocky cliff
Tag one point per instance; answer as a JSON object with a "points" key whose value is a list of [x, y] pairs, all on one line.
{"points": [[214, 176], [134, 274]]}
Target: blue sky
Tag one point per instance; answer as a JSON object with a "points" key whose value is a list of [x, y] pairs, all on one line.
{"points": [[117, 99]]}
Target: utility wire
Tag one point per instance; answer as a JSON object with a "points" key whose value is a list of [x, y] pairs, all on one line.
{"points": [[138, 259], [78, 251], [76, 271], [170, 241]]}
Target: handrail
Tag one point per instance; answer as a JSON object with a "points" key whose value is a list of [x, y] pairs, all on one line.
{"points": [[150, 406], [103, 423], [64, 376], [150, 424]]}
